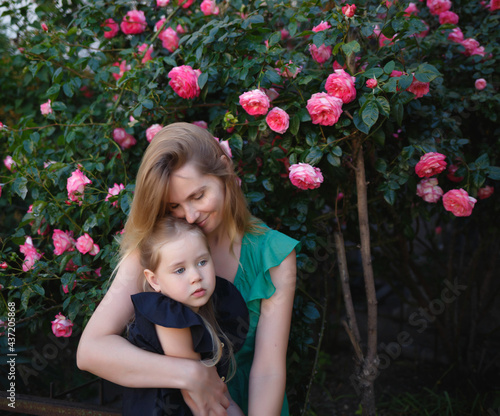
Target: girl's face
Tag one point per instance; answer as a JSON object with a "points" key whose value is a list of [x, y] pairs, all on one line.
{"points": [[186, 271], [197, 198]]}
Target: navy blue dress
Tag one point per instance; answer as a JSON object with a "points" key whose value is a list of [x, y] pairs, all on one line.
{"points": [[152, 309]]}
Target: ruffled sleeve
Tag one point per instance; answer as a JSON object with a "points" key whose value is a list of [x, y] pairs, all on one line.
{"points": [[260, 253], [153, 308]]}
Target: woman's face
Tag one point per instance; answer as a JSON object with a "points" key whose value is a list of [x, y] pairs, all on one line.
{"points": [[197, 198]]}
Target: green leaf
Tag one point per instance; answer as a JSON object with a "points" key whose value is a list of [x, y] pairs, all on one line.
{"points": [[38, 289], [202, 79], [482, 161], [405, 81], [381, 165], [337, 151], [360, 124], [389, 67], [390, 196], [255, 196], [494, 172], [426, 73], [53, 90], [351, 47], [397, 112], [314, 156], [294, 124], [333, 160], [137, 111], [68, 89], [274, 38], [256, 18], [370, 114], [384, 106], [148, 104], [19, 187], [273, 76], [319, 38]]}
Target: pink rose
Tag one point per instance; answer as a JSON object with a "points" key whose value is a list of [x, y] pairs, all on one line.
{"points": [[486, 192], [349, 10], [324, 109], [321, 54], [289, 70], [429, 190], [201, 123], [124, 139], [180, 29], [341, 85], [411, 9], [494, 5], [208, 7], [44, 27], [480, 84], [437, 7], [84, 243], [304, 176], [448, 17], [61, 326], [162, 3], [169, 39], [255, 102], [184, 81], [430, 164], [95, 249], [224, 144], [322, 26], [65, 287], [456, 35], [151, 131], [278, 120], [451, 175], [3, 265], [115, 190], [372, 82], [458, 202], [148, 49], [271, 93], [186, 3], [123, 68], [9, 162], [418, 88], [133, 23], [472, 47], [46, 108], [63, 241], [76, 186], [31, 254], [113, 26]]}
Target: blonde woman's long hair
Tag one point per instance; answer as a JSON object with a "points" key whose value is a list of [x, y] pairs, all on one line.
{"points": [[171, 148], [166, 230]]}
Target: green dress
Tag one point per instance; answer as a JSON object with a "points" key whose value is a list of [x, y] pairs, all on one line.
{"points": [[259, 253]]}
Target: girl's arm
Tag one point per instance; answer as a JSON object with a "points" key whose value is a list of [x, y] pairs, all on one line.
{"points": [[268, 373], [104, 352], [178, 342]]}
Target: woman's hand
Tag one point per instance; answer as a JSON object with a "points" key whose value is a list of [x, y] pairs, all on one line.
{"points": [[205, 394]]}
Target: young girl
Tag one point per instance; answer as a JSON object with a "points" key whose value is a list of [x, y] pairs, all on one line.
{"points": [[185, 173], [175, 316]]}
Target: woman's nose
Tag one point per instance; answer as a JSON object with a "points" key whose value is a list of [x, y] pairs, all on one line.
{"points": [[191, 214]]}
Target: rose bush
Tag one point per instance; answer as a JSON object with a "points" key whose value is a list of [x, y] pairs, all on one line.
{"points": [[105, 91]]}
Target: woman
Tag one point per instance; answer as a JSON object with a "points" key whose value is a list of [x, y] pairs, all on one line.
{"points": [[185, 173]]}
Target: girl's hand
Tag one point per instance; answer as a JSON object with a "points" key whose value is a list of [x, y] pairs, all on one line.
{"points": [[206, 393]]}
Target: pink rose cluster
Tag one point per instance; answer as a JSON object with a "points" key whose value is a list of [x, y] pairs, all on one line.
{"points": [[457, 201], [133, 23], [305, 176], [85, 244], [184, 81], [31, 254], [436, 7], [76, 186], [168, 36], [62, 326], [113, 28], [114, 191], [349, 10], [322, 53], [256, 103], [208, 7], [147, 51], [46, 108], [123, 66], [471, 45], [124, 139], [63, 241], [152, 130]]}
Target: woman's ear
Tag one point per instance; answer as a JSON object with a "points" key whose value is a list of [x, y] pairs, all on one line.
{"points": [[152, 280]]}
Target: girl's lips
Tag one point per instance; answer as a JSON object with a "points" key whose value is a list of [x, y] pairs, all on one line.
{"points": [[199, 293]]}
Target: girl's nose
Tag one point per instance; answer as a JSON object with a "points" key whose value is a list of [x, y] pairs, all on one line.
{"points": [[195, 276]]}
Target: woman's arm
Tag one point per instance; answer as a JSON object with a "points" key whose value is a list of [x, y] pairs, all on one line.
{"points": [[268, 373], [104, 352]]}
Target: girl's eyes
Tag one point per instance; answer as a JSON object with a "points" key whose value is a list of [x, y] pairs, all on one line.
{"points": [[203, 263], [180, 270]]}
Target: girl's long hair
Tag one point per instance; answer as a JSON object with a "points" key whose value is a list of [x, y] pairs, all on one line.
{"points": [[168, 229]]}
